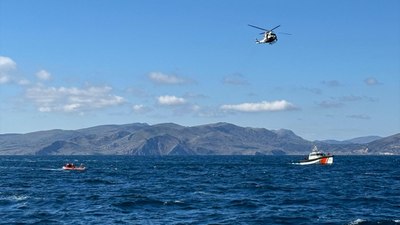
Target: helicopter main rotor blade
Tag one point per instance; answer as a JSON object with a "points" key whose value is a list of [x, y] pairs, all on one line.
{"points": [[257, 27], [275, 27]]}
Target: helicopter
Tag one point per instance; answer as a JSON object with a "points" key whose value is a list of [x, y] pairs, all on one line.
{"points": [[269, 36]]}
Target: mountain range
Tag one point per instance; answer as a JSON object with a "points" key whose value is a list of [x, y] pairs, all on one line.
{"points": [[359, 140], [174, 139]]}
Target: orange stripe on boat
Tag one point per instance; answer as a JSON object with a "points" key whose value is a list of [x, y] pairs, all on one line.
{"points": [[324, 160]]}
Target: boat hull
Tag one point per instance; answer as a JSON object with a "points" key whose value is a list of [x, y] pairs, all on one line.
{"points": [[326, 160], [74, 168]]}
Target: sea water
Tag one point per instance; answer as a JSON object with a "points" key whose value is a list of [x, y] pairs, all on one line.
{"points": [[199, 190]]}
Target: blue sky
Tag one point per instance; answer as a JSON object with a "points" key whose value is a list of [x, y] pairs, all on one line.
{"points": [[76, 64]]}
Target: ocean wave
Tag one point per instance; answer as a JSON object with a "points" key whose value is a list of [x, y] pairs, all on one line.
{"points": [[373, 222], [14, 198], [198, 190]]}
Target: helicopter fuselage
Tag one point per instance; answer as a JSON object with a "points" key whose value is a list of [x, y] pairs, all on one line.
{"points": [[269, 37]]}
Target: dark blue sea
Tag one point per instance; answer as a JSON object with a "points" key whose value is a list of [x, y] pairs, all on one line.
{"points": [[199, 190]]}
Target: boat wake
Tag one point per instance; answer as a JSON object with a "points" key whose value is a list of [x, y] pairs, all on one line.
{"points": [[51, 169]]}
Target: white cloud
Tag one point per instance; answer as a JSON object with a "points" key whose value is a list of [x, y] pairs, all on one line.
{"points": [[6, 65], [338, 102], [354, 98], [316, 91], [331, 83], [52, 99], [359, 116], [264, 106], [24, 82], [43, 75], [170, 100], [162, 78], [330, 104], [140, 108], [4, 78], [370, 81], [137, 108], [235, 79]]}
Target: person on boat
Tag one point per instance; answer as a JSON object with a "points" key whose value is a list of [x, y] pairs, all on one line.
{"points": [[70, 165]]}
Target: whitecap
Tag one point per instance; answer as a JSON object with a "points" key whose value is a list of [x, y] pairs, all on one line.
{"points": [[15, 198], [357, 221], [201, 193], [172, 202]]}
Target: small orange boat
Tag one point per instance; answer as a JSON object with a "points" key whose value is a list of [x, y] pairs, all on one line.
{"points": [[71, 166]]}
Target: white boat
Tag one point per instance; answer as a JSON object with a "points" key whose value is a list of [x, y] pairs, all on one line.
{"points": [[317, 157]]}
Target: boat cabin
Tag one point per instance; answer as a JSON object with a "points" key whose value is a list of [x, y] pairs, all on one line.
{"points": [[315, 153]]}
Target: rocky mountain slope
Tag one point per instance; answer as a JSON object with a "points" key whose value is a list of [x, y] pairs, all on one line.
{"points": [[173, 139]]}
